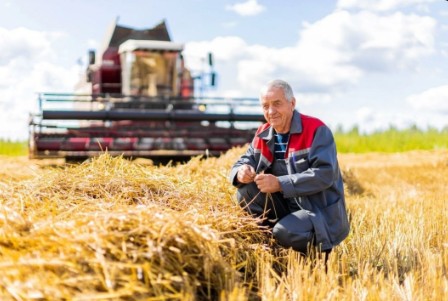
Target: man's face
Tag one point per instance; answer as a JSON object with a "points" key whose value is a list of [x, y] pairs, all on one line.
{"points": [[277, 109]]}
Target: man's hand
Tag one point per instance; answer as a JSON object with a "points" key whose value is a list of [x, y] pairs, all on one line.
{"points": [[246, 174], [267, 183]]}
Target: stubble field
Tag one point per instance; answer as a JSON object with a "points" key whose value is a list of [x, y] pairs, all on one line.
{"points": [[112, 229]]}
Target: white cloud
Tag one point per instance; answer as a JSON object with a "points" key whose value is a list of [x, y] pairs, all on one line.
{"points": [[223, 48], [432, 100], [93, 44], [381, 5], [22, 43], [248, 8], [28, 65], [370, 120], [307, 99], [366, 41], [331, 55], [365, 115], [253, 73]]}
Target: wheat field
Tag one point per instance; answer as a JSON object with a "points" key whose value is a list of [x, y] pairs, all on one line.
{"points": [[114, 229]]}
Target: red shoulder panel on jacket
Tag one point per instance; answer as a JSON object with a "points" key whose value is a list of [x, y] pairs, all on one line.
{"points": [[305, 139]]}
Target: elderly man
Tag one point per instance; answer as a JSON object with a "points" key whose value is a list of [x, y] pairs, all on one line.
{"points": [[290, 178]]}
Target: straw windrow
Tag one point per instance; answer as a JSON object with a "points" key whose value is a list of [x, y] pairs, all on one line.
{"points": [[110, 228]]}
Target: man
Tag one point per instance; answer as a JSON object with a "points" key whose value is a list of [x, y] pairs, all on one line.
{"points": [[290, 178]]}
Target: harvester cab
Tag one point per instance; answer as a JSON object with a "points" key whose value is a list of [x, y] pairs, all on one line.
{"points": [[139, 100]]}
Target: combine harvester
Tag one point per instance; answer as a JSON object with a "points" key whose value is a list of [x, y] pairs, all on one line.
{"points": [[141, 103]]}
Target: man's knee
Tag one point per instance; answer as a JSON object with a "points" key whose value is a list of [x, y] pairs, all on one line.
{"points": [[295, 231]]}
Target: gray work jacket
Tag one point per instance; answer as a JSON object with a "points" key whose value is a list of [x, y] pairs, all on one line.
{"points": [[314, 179]]}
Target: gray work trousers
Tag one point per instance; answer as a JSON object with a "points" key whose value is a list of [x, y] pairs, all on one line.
{"points": [[291, 226]]}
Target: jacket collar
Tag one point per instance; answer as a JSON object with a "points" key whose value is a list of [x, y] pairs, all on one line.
{"points": [[296, 127]]}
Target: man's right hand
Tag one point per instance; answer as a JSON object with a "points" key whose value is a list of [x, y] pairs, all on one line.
{"points": [[246, 174]]}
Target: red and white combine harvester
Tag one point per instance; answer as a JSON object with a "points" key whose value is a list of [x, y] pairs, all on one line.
{"points": [[141, 102]]}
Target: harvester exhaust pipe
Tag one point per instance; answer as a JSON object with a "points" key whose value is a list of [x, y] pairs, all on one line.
{"points": [[210, 59], [91, 55]]}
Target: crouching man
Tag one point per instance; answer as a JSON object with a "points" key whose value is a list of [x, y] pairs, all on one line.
{"points": [[290, 178]]}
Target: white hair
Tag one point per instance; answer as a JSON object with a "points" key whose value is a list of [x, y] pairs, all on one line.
{"points": [[278, 83]]}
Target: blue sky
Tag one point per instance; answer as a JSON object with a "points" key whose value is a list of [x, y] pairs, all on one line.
{"points": [[371, 63]]}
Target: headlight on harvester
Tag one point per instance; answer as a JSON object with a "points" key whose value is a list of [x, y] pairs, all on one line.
{"points": [[202, 108]]}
